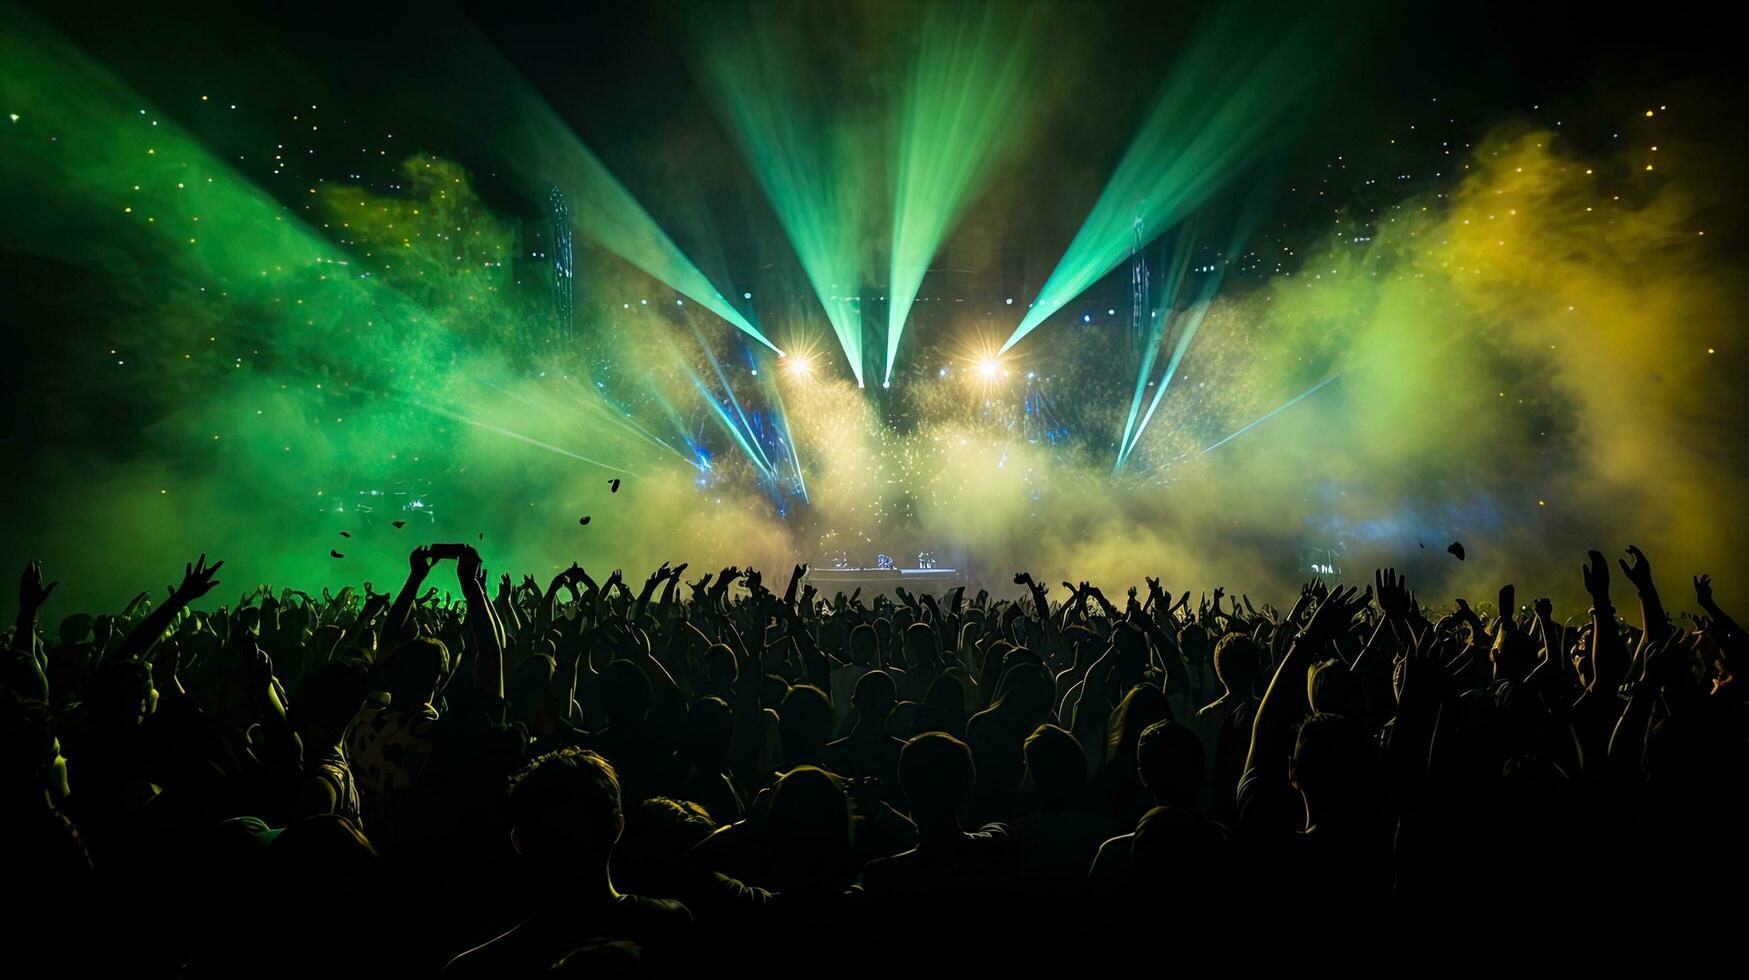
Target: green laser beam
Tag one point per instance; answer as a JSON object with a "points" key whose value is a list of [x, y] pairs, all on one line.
{"points": [[536, 148], [735, 403], [101, 179], [774, 397], [1187, 323], [963, 106], [1272, 413], [814, 163], [1226, 99], [527, 440]]}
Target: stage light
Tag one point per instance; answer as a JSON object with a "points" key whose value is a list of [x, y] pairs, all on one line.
{"points": [[798, 365], [988, 368]]}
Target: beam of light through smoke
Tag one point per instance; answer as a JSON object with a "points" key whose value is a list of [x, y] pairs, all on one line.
{"points": [[538, 150], [1272, 413], [1229, 97], [1184, 325], [815, 163], [964, 103]]}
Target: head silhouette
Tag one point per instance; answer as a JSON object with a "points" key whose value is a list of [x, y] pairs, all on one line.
{"points": [[873, 699], [1026, 690], [565, 811], [625, 692], [920, 647], [935, 773], [810, 826], [1141, 706], [710, 726], [804, 723], [1239, 665], [1333, 767], [862, 645], [720, 667], [1057, 766], [413, 671], [1169, 762]]}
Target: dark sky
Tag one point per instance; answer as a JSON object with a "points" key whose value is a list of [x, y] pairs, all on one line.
{"points": [[620, 74], [617, 69]]}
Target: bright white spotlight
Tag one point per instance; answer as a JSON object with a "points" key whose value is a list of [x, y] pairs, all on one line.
{"points": [[988, 368], [798, 365]]}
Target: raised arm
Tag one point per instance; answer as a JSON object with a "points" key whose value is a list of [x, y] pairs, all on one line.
{"points": [[1284, 702], [396, 628], [197, 581], [483, 629], [1608, 655], [32, 593]]}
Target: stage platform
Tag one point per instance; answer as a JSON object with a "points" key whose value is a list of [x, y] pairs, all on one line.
{"points": [[872, 580]]}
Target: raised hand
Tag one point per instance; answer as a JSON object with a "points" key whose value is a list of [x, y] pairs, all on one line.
{"points": [[1596, 576], [32, 593], [1334, 614], [1544, 608], [421, 560], [469, 570], [197, 580], [1703, 591], [1395, 599], [1640, 572]]}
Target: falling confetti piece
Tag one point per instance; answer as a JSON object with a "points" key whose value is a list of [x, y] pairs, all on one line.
{"points": [[482, 535], [334, 554], [1456, 548], [400, 524], [584, 520], [613, 485], [346, 534]]}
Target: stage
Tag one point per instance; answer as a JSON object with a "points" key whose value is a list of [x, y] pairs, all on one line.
{"points": [[831, 581]]}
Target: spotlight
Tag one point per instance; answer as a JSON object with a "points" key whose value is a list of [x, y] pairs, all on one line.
{"points": [[798, 365], [988, 368]]}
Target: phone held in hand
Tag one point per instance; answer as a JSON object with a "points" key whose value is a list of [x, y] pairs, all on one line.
{"points": [[442, 551]]}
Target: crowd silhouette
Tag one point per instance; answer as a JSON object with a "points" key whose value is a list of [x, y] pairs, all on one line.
{"points": [[712, 777]]}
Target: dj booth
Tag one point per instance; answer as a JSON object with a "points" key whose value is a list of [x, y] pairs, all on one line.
{"points": [[883, 580]]}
